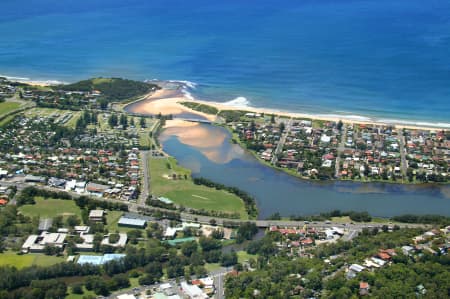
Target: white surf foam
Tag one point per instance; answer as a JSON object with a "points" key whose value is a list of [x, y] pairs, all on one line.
{"points": [[238, 102], [189, 84], [415, 123], [345, 116], [28, 80], [187, 94]]}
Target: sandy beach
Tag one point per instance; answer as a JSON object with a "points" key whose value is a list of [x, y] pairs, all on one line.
{"points": [[165, 102], [169, 102]]}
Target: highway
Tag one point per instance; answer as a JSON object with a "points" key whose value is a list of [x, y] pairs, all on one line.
{"points": [[136, 207]]}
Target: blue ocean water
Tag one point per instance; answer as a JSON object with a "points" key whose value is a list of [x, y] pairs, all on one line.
{"points": [[382, 58]]}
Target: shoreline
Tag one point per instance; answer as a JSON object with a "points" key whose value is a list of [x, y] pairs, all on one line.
{"points": [[177, 91], [158, 103]]}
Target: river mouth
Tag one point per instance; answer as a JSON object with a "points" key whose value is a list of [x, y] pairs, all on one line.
{"points": [[208, 151]]}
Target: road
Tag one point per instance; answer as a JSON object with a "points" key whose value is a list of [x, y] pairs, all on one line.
{"points": [[145, 192], [219, 287], [280, 144], [404, 163], [340, 150], [351, 234], [134, 206]]}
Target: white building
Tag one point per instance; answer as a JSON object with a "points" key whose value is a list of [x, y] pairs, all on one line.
{"points": [[192, 291]]}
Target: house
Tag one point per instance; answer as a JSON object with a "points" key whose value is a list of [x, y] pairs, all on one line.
{"points": [[353, 270], [81, 229], [30, 241], [34, 179], [172, 231], [96, 189], [96, 215], [192, 291], [307, 242], [356, 268], [165, 200], [88, 242], [45, 224], [37, 243], [57, 183], [325, 139], [80, 187], [132, 222], [363, 288], [407, 250]]}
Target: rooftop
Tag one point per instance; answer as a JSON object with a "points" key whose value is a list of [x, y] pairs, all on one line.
{"points": [[96, 213], [98, 259]]}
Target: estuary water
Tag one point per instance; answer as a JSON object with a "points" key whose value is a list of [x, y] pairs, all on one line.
{"points": [[378, 58], [216, 158]]}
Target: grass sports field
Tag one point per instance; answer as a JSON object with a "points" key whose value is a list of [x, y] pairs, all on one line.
{"points": [[20, 261], [51, 208], [184, 192], [6, 107]]}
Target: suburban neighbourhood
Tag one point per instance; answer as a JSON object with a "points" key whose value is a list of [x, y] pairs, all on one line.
{"points": [[333, 150], [92, 207]]}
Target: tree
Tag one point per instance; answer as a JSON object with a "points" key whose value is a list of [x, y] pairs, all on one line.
{"points": [[121, 281], [142, 122], [112, 121], [209, 244], [189, 248], [124, 121], [72, 221], [134, 235], [103, 104], [275, 216], [282, 127], [114, 238], [229, 259], [217, 234], [77, 288], [246, 231]]}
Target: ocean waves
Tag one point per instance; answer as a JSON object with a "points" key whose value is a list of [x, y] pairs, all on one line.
{"points": [[32, 81], [239, 102]]}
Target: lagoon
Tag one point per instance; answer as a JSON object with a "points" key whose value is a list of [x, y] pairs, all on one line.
{"points": [[216, 158]]}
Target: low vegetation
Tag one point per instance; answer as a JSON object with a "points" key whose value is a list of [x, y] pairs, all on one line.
{"points": [[112, 89], [201, 107]]}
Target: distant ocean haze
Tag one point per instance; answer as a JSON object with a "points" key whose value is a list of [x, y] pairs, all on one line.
{"points": [[382, 59]]}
